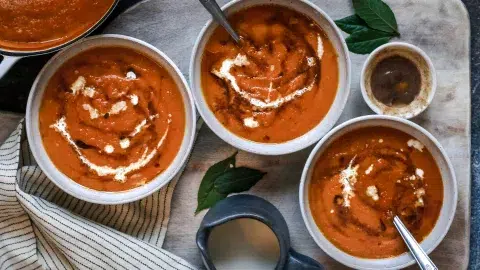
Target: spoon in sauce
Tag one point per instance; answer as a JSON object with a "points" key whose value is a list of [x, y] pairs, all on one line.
{"points": [[219, 17], [423, 261]]}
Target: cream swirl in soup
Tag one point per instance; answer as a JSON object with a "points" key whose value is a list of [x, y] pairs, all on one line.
{"points": [[112, 119], [364, 179], [276, 85]]}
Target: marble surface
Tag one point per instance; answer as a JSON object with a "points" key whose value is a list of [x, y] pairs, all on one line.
{"points": [[440, 27], [447, 118]]}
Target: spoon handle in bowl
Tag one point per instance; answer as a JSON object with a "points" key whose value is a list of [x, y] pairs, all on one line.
{"points": [[421, 257], [218, 16]]}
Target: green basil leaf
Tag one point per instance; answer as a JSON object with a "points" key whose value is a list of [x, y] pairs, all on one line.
{"points": [[208, 181], [351, 24], [210, 200], [377, 15], [365, 41], [238, 180], [222, 179]]}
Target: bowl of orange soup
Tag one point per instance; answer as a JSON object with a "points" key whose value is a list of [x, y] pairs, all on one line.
{"points": [[365, 172], [282, 87], [110, 120]]}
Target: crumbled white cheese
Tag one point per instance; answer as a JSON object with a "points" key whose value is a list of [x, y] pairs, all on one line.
{"points": [[124, 143], [78, 85], [348, 178], [380, 141], [133, 99], [93, 112], [369, 169], [419, 172], [131, 75], [311, 61], [250, 122], [118, 107], [372, 192], [412, 177], [332, 211], [108, 149], [120, 172], [415, 144], [419, 193], [272, 67], [88, 91]]}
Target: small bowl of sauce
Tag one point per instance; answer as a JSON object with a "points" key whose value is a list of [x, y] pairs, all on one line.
{"points": [[398, 79]]}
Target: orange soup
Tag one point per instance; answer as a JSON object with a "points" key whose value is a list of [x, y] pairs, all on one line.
{"points": [[43, 24], [278, 83], [112, 119], [367, 177]]}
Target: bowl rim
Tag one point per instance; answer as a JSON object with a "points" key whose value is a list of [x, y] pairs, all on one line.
{"points": [[106, 197], [272, 149], [409, 47], [335, 252]]}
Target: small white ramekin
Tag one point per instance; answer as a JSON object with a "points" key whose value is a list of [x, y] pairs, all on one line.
{"points": [[449, 191], [427, 71], [35, 140], [343, 90]]}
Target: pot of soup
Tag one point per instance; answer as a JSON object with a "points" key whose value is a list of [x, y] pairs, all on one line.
{"points": [[365, 172], [29, 28]]}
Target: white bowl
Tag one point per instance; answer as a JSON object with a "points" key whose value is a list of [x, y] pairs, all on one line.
{"points": [[327, 24], [35, 140], [449, 191], [427, 71]]}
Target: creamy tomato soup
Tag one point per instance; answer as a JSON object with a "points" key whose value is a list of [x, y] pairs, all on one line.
{"points": [[365, 178], [112, 119], [279, 83], [43, 24]]}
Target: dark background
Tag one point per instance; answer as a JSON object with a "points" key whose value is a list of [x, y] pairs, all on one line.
{"points": [[14, 88], [473, 7]]}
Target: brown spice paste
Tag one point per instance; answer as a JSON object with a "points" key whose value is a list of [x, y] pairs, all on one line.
{"points": [[396, 80]]}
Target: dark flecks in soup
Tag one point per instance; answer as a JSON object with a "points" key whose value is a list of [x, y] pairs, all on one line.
{"points": [[367, 177], [112, 119], [279, 83]]}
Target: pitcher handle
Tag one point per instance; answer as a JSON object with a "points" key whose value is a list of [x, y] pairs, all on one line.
{"points": [[297, 261], [7, 63]]}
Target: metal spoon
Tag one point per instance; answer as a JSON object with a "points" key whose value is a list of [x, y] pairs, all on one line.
{"points": [[217, 14], [418, 253]]}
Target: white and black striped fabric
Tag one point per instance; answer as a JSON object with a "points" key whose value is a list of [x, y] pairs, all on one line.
{"points": [[42, 227]]}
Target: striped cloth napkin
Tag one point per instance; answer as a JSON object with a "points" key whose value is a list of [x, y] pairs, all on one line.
{"points": [[42, 227]]}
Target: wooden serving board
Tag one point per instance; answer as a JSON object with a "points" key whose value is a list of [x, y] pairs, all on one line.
{"points": [[440, 27]]}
